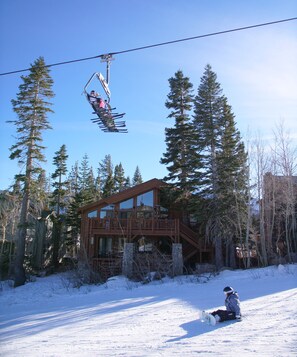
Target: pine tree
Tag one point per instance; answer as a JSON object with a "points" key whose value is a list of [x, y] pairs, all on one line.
{"points": [[220, 183], [98, 194], [60, 186], [86, 181], [74, 202], [127, 182], [119, 178], [83, 190], [233, 185], [58, 198], [180, 157], [32, 108], [107, 176], [73, 181], [137, 178]]}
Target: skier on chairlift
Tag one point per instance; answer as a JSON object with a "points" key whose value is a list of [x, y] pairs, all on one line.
{"points": [[101, 103], [94, 97]]}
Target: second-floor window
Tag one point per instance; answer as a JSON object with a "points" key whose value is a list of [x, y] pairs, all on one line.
{"points": [[107, 212], [145, 201]]}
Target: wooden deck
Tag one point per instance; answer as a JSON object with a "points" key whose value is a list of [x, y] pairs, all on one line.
{"points": [[130, 228]]}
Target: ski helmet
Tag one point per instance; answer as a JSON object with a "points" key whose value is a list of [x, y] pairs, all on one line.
{"points": [[228, 289]]}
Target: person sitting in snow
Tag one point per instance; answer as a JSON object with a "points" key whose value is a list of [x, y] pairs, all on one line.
{"points": [[232, 304]]}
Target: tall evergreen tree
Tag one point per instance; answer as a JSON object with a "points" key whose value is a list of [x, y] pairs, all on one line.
{"points": [[58, 196], [137, 178], [98, 194], [73, 181], [83, 190], [119, 177], [74, 202], [107, 176], [86, 181], [32, 107], [180, 157], [233, 185], [222, 159], [127, 182], [60, 185]]}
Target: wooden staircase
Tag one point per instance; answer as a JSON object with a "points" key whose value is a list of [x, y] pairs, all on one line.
{"points": [[192, 244]]}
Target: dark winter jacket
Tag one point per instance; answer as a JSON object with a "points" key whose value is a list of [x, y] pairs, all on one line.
{"points": [[232, 303]]}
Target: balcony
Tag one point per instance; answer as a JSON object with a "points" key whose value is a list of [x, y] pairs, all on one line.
{"points": [[132, 227]]}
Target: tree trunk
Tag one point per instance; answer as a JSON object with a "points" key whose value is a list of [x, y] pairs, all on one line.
{"points": [[232, 255], [19, 271], [262, 238], [218, 252], [40, 235], [56, 243]]}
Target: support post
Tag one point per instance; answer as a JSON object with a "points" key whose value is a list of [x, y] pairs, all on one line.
{"points": [[128, 257], [177, 259]]}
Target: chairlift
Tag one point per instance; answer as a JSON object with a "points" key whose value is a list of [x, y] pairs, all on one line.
{"points": [[107, 119]]}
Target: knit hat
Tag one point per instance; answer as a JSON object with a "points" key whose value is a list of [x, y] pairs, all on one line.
{"points": [[228, 289]]}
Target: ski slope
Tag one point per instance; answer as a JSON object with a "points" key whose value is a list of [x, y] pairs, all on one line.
{"points": [[121, 318]]}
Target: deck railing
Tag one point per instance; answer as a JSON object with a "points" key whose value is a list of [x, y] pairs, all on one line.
{"points": [[133, 225]]}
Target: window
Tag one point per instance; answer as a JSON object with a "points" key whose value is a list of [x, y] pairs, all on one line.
{"points": [[107, 212], [92, 214], [127, 204], [145, 201], [105, 246], [126, 209]]}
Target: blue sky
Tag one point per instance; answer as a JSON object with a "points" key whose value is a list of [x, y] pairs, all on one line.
{"points": [[256, 68]]}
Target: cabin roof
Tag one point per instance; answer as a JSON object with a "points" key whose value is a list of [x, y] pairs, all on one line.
{"points": [[125, 194]]}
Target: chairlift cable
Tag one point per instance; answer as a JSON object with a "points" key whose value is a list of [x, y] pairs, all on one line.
{"points": [[157, 45], [202, 36]]}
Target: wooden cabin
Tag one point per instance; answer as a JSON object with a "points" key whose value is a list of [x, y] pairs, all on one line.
{"points": [[136, 220]]}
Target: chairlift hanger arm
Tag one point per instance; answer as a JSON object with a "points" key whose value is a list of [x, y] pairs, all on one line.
{"points": [[88, 82], [107, 58], [104, 82]]}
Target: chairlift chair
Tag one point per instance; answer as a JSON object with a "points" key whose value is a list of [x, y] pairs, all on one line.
{"points": [[106, 117]]}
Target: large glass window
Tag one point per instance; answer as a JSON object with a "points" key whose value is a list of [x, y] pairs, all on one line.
{"points": [[92, 214], [127, 204], [107, 212], [145, 201], [126, 209]]}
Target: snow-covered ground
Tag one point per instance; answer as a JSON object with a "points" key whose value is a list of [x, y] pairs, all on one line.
{"points": [[121, 318]]}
